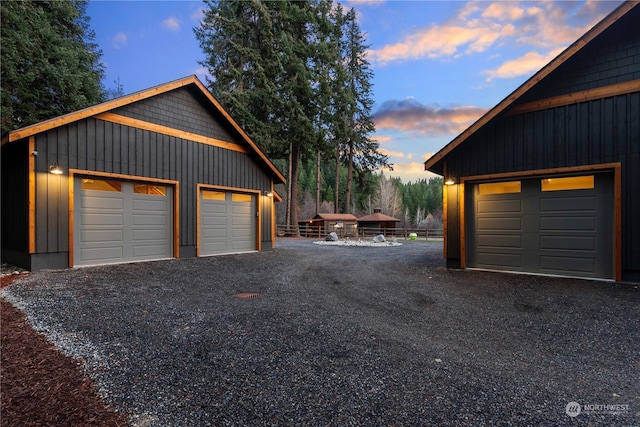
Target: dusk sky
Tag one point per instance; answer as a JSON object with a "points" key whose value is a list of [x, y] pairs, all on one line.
{"points": [[438, 65]]}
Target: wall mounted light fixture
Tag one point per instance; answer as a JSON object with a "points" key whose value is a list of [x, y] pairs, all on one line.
{"points": [[268, 193], [450, 181], [55, 169]]}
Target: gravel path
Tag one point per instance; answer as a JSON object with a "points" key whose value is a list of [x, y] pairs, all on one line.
{"points": [[343, 336]]}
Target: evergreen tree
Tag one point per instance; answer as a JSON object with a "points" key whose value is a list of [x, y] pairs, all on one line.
{"points": [[116, 92], [239, 44], [340, 97], [362, 153], [50, 63]]}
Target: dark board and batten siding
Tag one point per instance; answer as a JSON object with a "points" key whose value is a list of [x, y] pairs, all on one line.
{"points": [[184, 109], [594, 132], [15, 192], [101, 146]]}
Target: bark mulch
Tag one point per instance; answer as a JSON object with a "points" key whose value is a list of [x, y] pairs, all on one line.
{"points": [[39, 385]]}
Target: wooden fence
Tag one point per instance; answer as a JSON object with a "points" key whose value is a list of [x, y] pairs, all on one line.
{"points": [[362, 232]]}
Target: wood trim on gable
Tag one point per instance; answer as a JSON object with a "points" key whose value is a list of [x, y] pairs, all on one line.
{"points": [[165, 130], [574, 98]]}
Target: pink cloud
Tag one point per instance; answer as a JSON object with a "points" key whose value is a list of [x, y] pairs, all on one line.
{"points": [[381, 139], [389, 153], [119, 40], [172, 24], [412, 171], [411, 116], [527, 64]]}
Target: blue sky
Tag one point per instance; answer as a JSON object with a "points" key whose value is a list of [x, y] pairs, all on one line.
{"points": [[438, 65]]}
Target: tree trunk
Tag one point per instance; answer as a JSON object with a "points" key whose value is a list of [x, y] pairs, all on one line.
{"points": [[288, 216], [349, 178], [336, 190], [318, 182], [293, 179]]}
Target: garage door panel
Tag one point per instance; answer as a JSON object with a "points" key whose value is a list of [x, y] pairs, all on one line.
{"points": [[241, 245], [497, 259], [101, 219], [568, 203], [121, 226], [155, 234], [208, 207], [241, 209], [503, 223], [152, 250], [215, 247], [575, 243], [503, 206], [499, 241], [113, 254], [563, 264], [149, 220], [241, 222], [212, 233], [101, 236], [213, 221], [242, 233], [102, 203], [151, 203], [565, 223]]}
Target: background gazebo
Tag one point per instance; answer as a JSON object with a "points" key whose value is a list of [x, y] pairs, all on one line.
{"points": [[324, 223], [377, 222]]}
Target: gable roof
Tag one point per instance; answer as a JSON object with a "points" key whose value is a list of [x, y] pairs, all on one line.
{"points": [[377, 217], [138, 96], [434, 163], [335, 217]]}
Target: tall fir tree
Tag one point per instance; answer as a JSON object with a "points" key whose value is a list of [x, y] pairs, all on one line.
{"points": [[238, 41], [50, 63], [341, 98], [362, 152]]}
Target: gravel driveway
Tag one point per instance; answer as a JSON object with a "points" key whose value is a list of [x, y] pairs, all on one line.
{"points": [[344, 336]]}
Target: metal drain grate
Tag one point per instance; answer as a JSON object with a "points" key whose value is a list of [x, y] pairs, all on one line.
{"points": [[247, 295]]}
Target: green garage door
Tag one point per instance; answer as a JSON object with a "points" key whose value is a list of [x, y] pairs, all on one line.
{"points": [[552, 225], [227, 223], [118, 221]]}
